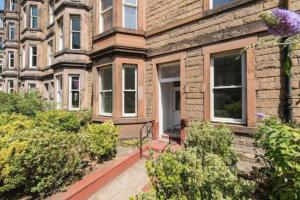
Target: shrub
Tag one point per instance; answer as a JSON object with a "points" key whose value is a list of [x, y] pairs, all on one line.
{"points": [[101, 140], [37, 161], [27, 104], [183, 175], [281, 143], [207, 138], [59, 119]]}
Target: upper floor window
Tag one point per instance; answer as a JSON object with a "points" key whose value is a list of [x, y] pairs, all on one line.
{"points": [[11, 31], [75, 32], [129, 90], [13, 5], [1, 43], [50, 53], [33, 56], [11, 59], [1, 67], [217, 3], [1, 22], [74, 92], [106, 91], [130, 14], [51, 14], [106, 15], [61, 35], [23, 57], [228, 88], [24, 18], [33, 17]]}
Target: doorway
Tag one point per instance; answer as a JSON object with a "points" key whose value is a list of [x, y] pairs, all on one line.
{"points": [[170, 100]]}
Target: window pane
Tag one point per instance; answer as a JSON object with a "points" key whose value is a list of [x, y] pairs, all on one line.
{"points": [[131, 1], [228, 103], [129, 75], [106, 4], [177, 100], [76, 23], [75, 99], [75, 40], [106, 101], [170, 72], [34, 11], [130, 17], [228, 71], [217, 3], [107, 79], [129, 102], [34, 50], [107, 20], [75, 83], [34, 22]]}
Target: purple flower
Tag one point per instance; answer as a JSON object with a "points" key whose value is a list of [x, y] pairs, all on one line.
{"points": [[282, 22], [261, 115]]}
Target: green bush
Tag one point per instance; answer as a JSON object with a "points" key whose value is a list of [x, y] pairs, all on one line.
{"points": [[60, 120], [183, 175], [281, 143], [102, 140], [37, 161], [26, 104], [207, 138]]}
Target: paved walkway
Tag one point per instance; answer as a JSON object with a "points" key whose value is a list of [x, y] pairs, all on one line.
{"points": [[127, 184]]}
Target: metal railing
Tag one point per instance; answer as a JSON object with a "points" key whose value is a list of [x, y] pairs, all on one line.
{"points": [[148, 127]]}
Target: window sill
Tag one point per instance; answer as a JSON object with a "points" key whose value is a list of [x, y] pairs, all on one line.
{"points": [[29, 69], [70, 51]]}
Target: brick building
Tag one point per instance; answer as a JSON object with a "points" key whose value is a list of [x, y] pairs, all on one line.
{"points": [[134, 61]]}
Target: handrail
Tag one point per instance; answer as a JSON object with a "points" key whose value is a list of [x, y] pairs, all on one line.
{"points": [[148, 131]]}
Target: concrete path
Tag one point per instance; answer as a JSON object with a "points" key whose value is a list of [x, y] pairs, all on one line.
{"points": [[129, 183]]}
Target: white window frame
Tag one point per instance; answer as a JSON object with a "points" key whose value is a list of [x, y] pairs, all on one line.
{"points": [[59, 81], [211, 4], [1, 22], [61, 35], [51, 14], [243, 86], [11, 56], [31, 56], [101, 13], [24, 17], [125, 4], [34, 17], [10, 89], [128, 90], [1, 67], [168, 65], [11, 31], [50, 52], [13, 5], [75, 31], [70, 92], [23, 56], [105, 91]]}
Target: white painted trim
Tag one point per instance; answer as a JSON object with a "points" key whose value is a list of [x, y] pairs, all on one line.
{"points": [[10, 54], [59, 81], [124, 90], [32, 17], [70, 92], [100, 91], [31, 56], [101, 13], [124, 4], [61, 35], [75, 31]]}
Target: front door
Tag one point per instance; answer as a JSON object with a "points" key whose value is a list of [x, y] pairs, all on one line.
{"points": [[176, 108]]}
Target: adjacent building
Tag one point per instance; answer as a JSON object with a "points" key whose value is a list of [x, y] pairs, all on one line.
{"points": [[167, 62]]}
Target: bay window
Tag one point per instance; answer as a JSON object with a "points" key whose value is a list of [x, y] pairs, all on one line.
{"points": [[11, 59], [33, 17], [217, 3], [1, 67], [75, 32], [50, 53], [106, 15], [130, 14], [10, 86], [31, 87], [106, 91], [33, 56], [74, 92], [59, 92], [13, 5], [61, 35], [11, 31], [129, 90], [51, 14], [228, 86]]}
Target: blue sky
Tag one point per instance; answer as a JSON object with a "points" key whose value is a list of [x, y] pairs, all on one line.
{"points": [[1, 4]]}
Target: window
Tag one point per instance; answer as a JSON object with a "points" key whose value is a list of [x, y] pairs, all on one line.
{"points": [[51, 15], [33, 17], [130, 14], [24, 18], [1, 67], [106, 15], [228, 88], [11, 59], [31, 87], [75, 32], [23, 57], [59, 92], [74, 92], [217, 3], [61, 35], [11, 31], [1, 43], [47, 92], [1, 22], [50, 53], [106, 91], [129, 90], [10, 86], [33, 56], [13, 5]]}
